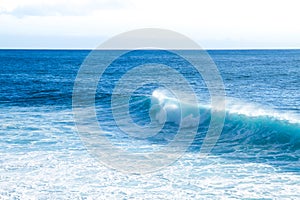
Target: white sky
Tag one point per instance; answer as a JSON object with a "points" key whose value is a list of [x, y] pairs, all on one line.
{"points": [[212, 23]]}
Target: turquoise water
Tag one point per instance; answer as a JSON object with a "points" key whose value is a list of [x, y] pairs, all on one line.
{"points": [[256, 156]]}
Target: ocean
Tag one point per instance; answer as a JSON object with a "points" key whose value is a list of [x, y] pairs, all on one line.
{"points": [[44, 156]]}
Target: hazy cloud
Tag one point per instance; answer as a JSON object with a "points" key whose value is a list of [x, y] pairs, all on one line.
{"points": [[59, 8], [214, 23]]}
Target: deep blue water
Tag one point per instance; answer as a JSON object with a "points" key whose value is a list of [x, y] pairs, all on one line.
{"points": [[41, 153]]}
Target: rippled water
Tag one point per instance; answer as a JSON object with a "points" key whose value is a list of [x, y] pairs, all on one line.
{"points": [[257, 155]]}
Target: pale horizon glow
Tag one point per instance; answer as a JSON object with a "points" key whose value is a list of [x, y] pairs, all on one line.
{"points": [[214, 24]]}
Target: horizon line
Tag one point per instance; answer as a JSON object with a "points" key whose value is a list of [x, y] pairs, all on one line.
{"points": [[207, 49]]}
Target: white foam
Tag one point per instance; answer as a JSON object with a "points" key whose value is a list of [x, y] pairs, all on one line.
{"points": [[236, 106], [166, 108]]}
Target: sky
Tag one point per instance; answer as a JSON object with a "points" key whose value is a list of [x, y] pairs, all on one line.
{"points": [[213, 24]]}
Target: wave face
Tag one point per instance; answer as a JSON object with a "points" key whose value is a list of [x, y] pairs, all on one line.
{"points": [[248, 129]]}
